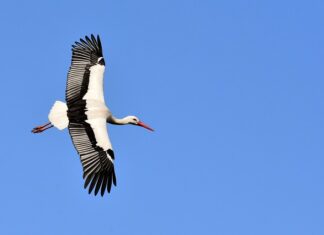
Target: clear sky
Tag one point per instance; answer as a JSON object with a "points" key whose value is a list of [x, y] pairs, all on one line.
{"points": [[234, 90]]}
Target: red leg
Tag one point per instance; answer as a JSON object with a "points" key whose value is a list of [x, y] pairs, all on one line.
{"points": [[43, 126], [40, 129]]}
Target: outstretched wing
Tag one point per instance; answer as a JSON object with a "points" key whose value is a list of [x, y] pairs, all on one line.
{"points": [[87, 115], [87, 67], [91, 140]]}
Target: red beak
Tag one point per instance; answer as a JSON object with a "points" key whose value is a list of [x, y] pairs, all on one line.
{"points": [[142, 124]]}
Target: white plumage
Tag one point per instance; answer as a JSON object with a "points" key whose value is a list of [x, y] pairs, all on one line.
{"points": [[58, 115]]}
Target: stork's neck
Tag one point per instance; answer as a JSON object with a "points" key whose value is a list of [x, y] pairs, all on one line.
{"points": [[118, 121]]}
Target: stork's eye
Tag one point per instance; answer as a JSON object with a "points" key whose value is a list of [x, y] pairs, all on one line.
{"points": [[134, 119]]}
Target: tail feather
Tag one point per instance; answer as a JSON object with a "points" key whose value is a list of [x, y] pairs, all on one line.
{"points": [[58, 115]]}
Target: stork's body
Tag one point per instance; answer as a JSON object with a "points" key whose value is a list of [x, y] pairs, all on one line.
{"points": [[86, 115]]}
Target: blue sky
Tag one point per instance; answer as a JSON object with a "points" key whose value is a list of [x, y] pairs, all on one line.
{"points": [[234, 90]]}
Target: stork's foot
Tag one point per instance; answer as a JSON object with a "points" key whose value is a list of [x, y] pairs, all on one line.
{"points": [[40, 129]]}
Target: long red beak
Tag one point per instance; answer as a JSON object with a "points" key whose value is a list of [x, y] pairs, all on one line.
{"points": [[142, 124]]}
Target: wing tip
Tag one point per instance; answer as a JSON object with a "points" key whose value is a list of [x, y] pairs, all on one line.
{"points": [[89, 43], [100, 182]]}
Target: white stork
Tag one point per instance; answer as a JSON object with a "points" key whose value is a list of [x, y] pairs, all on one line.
{"points": [[86, 114]]}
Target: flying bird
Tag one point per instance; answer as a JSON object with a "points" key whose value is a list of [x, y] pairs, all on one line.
{"points": [[86, 115]]}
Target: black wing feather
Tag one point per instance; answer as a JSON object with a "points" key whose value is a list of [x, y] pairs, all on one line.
{"points": [[98, 185], [98, 169], [84, 55]]}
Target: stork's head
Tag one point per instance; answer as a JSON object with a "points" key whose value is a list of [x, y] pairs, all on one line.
{"points": [[135, 121]]}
